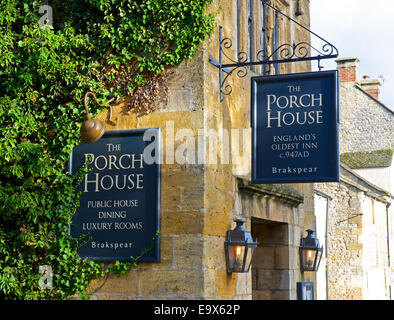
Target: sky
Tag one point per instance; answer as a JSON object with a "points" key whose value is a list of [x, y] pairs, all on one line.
{"points": [[361, 29]]}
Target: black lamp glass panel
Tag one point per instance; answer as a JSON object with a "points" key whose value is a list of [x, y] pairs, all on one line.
{"points": [[239, 247], [310, 252], [308, 259]]}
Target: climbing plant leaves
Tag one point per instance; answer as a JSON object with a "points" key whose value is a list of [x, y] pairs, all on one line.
{"points": [[44, 74]]}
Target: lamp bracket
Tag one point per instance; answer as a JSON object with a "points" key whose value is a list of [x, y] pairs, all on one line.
{"points": [[95, 98], [284, 53]]}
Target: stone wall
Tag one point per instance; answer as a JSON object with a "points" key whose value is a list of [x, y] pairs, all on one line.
{"points": [[181, 272], [366, 124], [277, 221], [357, 238], [344, 260], [200, 199]]}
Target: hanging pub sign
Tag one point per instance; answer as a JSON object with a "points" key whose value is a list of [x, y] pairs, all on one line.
{"points": [[295, 128], [119, 211]]}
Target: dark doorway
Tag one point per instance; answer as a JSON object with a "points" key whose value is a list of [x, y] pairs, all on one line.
{"points": [[270, 265]]}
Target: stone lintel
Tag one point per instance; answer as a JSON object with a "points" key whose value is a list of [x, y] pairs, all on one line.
{"points": [[274, 191], [346, 62]]}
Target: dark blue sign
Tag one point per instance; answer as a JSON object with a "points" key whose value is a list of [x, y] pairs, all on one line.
{"points": [[295, 128], [119, 208]]}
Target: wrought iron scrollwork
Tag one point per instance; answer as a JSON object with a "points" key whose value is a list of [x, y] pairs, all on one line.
{"points": [[237, 65], [302, 50], [295, 52]]}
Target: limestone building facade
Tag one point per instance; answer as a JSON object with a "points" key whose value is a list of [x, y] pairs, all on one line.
{"points": [[202, 196], [359, 215]]}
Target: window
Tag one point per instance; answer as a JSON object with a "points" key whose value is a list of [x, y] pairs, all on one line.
{"points": [[261, 31], [251, 33], [321, 203]]}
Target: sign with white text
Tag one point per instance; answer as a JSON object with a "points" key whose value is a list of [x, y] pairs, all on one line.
{"points": [[295, 128], [119, 210]]}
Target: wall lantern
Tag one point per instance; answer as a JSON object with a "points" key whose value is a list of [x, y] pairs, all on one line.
{"points": [[92, 129], [310, 252], [239, 248]]}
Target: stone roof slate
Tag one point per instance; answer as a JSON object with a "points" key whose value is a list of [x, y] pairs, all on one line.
{"points": [[367, 159]]}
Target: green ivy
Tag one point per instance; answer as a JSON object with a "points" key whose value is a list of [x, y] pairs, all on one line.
{"points": [[44, 74]]}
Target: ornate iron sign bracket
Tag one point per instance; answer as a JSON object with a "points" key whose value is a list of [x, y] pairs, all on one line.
{"points": [[283, 53]]}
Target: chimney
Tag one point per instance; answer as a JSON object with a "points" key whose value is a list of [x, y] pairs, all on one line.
{"points": [[347, 68], [372, 86]]}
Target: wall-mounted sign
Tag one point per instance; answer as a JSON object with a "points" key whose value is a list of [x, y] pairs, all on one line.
{"points": [[119, 208], [295, 128], [305, 291]]}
